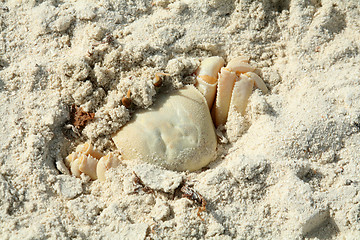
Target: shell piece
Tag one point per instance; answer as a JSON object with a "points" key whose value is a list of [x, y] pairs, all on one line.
{"points": [[207, 75], [88, 148], [259, 83], [176, 133], [88, 166], [241, 93], [225, 87], [105, 163]]}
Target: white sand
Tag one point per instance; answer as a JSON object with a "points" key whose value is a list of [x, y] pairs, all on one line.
{"points": [[290, 170]]}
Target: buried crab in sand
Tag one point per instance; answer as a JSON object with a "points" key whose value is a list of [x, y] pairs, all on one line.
{"points": [[177, 131]]}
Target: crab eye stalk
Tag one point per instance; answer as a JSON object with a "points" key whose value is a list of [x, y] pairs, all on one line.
{"points": [[126, 101]]}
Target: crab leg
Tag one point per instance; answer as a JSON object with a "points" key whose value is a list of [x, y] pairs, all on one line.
{"points": [[86, 160], [241, 93], [74, 167], [207, 75], [105, 163], [225, 92], [259, 83], [87, 149], [223, 97], [235, 84], [88, 166], [70, 158], [240, 65]]}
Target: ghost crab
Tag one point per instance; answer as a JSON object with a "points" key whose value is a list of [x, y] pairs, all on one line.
{"points": [[177, 131]]}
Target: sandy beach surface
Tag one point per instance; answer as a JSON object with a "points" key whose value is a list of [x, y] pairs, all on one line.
{"points": [[288, 169]]}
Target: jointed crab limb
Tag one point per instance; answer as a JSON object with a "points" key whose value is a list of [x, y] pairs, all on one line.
{"points": [[241, 93], [105, 163], [86, 159], [259, 83], [207, 75], [234, 86], [225, 88], [240, 65], [87, 165], [87, 149]]}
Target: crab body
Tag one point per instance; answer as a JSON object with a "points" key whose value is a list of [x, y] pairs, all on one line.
{"points": [[177, 132]]}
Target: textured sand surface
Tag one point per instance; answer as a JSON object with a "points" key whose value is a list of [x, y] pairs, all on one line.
{"points": [[289, 169]]}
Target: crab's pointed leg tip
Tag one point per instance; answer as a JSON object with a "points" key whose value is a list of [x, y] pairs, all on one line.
{"points": [[241, 93], [259, 83]]}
